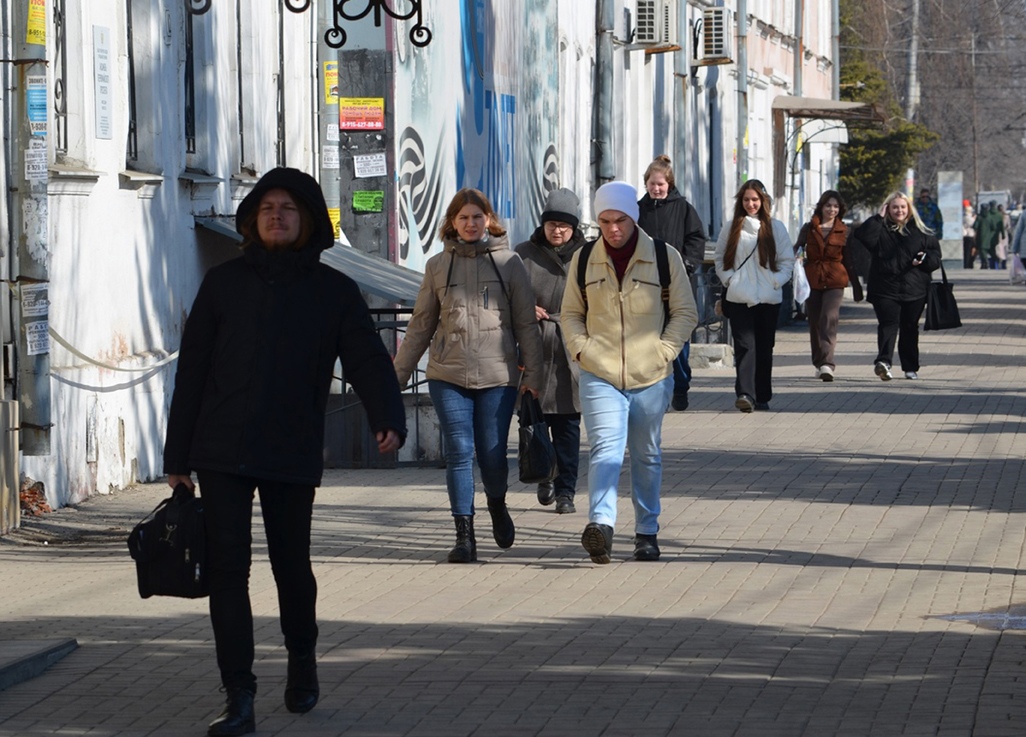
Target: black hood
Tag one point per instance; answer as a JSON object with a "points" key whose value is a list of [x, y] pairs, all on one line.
{"points": [[304, 188]]}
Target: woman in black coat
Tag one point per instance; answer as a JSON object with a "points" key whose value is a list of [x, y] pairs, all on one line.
{"points": [[547, 257], [904, 252], [663, 213]]}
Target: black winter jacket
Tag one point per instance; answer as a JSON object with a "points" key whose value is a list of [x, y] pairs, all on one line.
{"points": [[258, 353], [891, 273], [677, 222]]}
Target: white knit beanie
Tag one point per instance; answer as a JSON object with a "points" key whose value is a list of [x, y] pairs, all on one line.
{"points": [[617, 196]]}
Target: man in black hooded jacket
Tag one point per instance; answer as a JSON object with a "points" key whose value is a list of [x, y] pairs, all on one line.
{"points": [[254, 370]]}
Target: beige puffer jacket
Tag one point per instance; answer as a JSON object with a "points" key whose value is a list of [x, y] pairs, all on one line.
{"points": [[473, 328], [621, 337]]}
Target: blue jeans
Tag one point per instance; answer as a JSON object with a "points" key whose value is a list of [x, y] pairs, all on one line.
{"points": [[473, 419], [618, 419], [682, 371]]}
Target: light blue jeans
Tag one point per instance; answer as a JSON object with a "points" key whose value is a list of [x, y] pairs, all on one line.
{"points": [[617, 420], [473, 419]]}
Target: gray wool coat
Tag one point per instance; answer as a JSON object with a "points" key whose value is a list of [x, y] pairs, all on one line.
{"points": [[548, 270]]}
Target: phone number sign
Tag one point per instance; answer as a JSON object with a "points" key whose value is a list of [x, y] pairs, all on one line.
{"points": [[361, 113]]}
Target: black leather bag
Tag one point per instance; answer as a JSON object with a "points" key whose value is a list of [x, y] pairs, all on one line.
{"points": [[169, 547], [941, 308], [537, 456]]}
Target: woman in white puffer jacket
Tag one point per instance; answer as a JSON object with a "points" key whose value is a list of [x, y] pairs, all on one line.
{"points": [[754, 259]]}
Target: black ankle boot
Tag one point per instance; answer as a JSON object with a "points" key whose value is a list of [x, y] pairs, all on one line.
{"points": [[237, 718], [502, 524], [465, 550], [301, 688]]}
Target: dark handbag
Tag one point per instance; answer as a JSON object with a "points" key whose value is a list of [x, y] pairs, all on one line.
{"points": [[537, 457], [941, 308], [169, 547]]}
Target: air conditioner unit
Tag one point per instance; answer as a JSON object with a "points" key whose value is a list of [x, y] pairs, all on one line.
{"points": [[657, 23], [715, 36]]}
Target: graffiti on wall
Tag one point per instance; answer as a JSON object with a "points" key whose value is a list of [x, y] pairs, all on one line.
{"points": [[492, 127]]}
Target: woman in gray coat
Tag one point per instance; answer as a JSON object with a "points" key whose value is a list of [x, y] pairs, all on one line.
{"points": [[547, 256]]}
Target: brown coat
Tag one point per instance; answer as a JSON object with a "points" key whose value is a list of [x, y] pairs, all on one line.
{"points": [[828, 261]]}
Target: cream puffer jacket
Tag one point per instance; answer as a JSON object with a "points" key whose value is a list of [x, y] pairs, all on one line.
{"points": [[621, 337], [473, 328], [753, 284]]}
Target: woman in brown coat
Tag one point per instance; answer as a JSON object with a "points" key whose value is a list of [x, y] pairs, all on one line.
{"points": [[829, 267]]}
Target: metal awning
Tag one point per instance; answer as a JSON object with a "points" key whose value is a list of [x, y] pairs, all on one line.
{"points": [[813, 108], [373, 274], [822, 109]]}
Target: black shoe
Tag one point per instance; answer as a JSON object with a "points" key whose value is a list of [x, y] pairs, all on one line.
{"points": [[546, 493], [762, 406], [744, 403], [598, 541], [645, 547], [679, 402], [237, 717], [465, 550], [565, 505], [301, 688], [502, 524]]}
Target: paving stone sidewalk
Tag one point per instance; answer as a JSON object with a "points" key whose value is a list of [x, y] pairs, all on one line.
{"points": [[845, 564]]}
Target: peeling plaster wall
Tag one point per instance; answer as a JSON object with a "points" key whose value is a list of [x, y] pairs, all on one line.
{"points": [[127, 258]]}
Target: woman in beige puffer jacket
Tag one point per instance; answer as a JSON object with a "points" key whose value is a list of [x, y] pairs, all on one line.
{"points": [[475, 316]]}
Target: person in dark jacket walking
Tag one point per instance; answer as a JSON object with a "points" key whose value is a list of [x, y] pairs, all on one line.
{"points": [[904, 252], [254, 371], [663, 213], [547, 257]]}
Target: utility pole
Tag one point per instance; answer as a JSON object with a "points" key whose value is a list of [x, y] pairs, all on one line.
{"points": [[912, 88], [742, 93], [327, 108], [29, 164]]}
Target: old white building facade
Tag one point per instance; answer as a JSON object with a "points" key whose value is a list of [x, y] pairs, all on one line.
{"points": [[149, 117]]}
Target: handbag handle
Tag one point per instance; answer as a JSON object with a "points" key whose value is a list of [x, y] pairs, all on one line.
{"points": [[944, 274], [530, 410]]}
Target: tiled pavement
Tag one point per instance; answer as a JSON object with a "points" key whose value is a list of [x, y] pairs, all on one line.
{"points": [[843, 565]]}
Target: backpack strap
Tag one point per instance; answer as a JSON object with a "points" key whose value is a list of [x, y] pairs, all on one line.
{"points": [[663, 264], [582, 268]]}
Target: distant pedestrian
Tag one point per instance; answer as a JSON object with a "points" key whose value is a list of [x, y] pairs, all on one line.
{"points": [[829, 266], [904, 252], [754, 259], [664, 213], [1001, 247], [930, 213], [475, 311], [1018, 247], [254, 370], [968, 235], [625, 337], [547, 257]]}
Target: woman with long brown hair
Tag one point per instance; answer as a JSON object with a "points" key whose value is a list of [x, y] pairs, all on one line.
{"points": [[829, 267], [754, 259]]}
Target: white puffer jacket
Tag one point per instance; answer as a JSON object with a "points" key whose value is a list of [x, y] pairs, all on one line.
{"points": [[753, 284]]}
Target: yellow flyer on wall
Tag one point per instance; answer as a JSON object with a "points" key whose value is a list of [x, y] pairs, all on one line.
{"points": [[35, 30], [331, 83]]}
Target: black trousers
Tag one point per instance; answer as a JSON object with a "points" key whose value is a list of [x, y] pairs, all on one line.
{"points": [[898, 321], [566, 438], [287, 510], [755, 333]]}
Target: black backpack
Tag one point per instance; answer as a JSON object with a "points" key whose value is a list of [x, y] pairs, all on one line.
{"points": [[662, 263]]}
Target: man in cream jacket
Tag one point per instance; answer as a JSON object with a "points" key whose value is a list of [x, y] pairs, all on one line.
{"points": [[625, 346]]}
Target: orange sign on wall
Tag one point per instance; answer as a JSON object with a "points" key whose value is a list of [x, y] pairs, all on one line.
{"points": [[361, 113]]}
